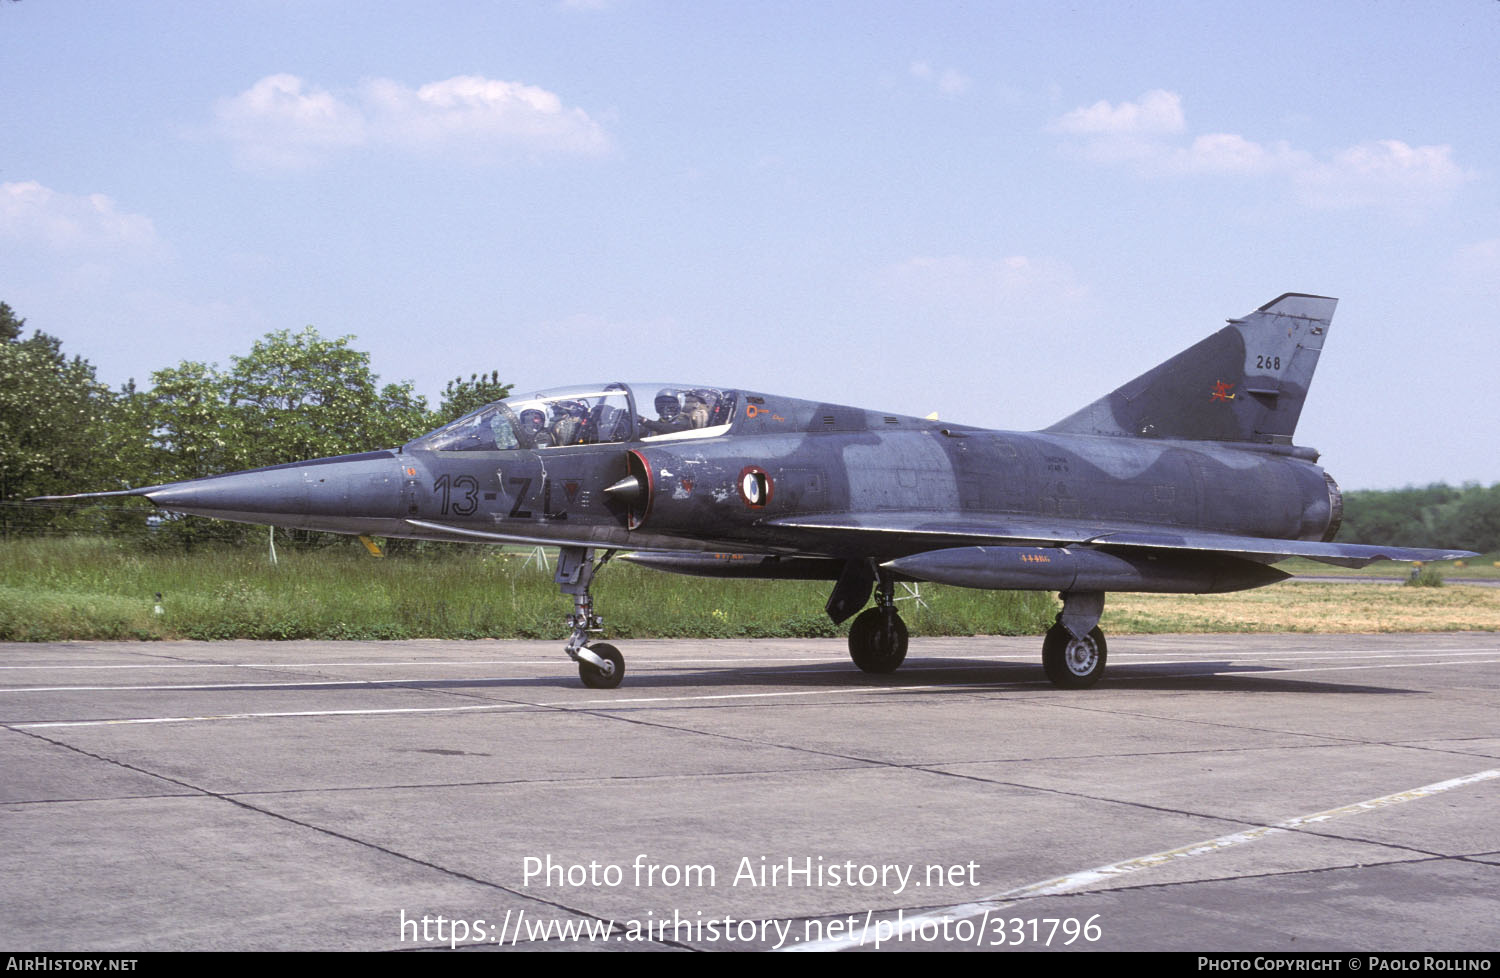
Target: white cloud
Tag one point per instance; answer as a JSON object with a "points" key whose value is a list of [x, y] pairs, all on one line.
{"points": [[472, 109], [949, 81], [280, 121], [1223, 152], [34, 215], [1387, 173], [1158, 111]]}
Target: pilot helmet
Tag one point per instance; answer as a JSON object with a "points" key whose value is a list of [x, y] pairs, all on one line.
{"points": [[666, 403], [533, 420]]}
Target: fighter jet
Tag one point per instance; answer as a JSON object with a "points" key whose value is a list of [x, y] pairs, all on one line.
{"points": [[1184, 480]]}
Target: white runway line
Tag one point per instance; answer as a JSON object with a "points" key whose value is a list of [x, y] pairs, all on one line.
{"points": [[442, 664], [130, 721], [1083, 879], [559, 704], [198, 687], [1310, 653], [274, 665], [1271, 672]]}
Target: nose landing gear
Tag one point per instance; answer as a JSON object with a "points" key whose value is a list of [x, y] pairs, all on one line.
{"points": [[600, 665]]}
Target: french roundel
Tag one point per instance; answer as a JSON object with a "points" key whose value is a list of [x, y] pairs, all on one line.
{"points": [[755, 486]]}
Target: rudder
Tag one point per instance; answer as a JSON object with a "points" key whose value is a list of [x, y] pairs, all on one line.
{"points": [[1245, 383]]}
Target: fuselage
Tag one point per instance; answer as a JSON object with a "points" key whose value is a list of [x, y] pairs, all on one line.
{"points": [[730, 485]]}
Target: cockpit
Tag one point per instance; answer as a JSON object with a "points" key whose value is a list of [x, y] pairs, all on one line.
{"points": [[591, 415]]}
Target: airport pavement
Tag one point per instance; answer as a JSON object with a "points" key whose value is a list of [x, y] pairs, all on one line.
{"points": [[1238, 792]]}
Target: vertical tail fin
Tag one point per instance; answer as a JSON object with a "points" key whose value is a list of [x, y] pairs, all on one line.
{"points": [[1244, 383]]}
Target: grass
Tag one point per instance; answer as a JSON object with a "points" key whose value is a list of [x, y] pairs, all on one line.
{"points": [[1309, 606], [52, 590], [83, 588], [1485, 566], [1424, 577]]}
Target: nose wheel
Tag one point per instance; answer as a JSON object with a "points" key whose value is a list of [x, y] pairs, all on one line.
{"points": [[607, 672]]}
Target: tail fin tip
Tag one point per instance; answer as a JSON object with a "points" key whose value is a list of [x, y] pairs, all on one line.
{"points": [[1301, 305]]}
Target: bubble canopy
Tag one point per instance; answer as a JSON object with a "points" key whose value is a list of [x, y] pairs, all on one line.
{"points": [[588, 415]]}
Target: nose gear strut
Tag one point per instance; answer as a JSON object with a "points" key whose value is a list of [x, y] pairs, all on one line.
{"points": [[600, 665]]}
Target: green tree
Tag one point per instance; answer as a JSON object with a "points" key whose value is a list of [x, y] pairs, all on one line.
{"points": [[1473, 522], [298, 395], [10, 325], [53, 414], [193, 432], [1429, 516], [1409, 517], [462, 396]]}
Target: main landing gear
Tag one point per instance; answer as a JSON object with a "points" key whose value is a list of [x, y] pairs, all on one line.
{"points": [[877, 639], [600, 665], [1074, 651]]}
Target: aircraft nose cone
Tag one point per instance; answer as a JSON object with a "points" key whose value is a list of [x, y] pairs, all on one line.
{"points": [[360, 485], [235, 493]]}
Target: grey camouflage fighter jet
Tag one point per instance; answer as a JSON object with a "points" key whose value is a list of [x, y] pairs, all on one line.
{"points": [[1184, 480]]}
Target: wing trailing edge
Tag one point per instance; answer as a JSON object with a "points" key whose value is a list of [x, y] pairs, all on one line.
{"points": [[912, 534]]}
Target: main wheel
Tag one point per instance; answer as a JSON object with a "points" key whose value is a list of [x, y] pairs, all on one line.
{"points": [[595, 678], [877, 641], [1073, 663]]}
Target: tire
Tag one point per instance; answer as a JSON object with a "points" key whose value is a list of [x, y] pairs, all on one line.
{"points": [[595, 678], [1073, 663], [877, 641]]}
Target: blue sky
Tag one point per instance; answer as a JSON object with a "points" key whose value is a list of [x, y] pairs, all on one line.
{"points": [[997, 211]]}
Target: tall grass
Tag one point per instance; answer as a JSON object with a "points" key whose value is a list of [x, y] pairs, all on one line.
{"points": [[94, 588]]}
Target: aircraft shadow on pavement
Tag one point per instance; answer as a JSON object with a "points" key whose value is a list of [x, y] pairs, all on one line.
{"points": [[923, 675]]}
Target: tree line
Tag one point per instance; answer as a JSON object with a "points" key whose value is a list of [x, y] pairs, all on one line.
{"points": [[292, 396], [1438, 515]]}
